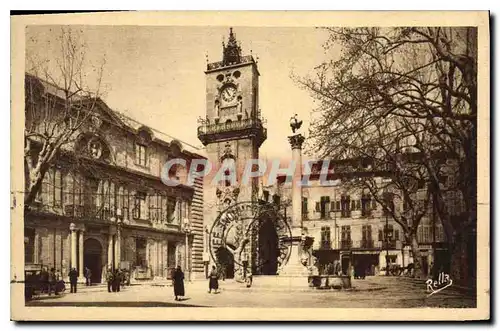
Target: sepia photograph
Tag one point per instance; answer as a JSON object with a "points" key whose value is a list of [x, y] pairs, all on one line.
{"points": [[334, 168]]}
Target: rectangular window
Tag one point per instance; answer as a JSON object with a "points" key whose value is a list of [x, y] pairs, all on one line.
{"points": [[365, 205], [325, 237], [140, 252], [346, 237], [324, 204], [337, 205], [304, 206], [29, 245], [58, 188], [345, 206], [140, 207], [140, 154], [170, 209], [366, 233], [318, 207]]}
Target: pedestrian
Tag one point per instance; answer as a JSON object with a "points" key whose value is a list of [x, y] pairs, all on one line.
{"points": [[52, 282], [73, 279], [118, 279], [213, 283], [109, 279], [178, 283], [88, 275]]}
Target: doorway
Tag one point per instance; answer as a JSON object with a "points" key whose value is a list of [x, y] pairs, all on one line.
{"points": [[225, 260], [268, 248], [92, 258]]}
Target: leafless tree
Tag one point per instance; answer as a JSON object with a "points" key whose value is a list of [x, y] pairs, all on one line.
{"points": [[59, 101], [416, 83]]}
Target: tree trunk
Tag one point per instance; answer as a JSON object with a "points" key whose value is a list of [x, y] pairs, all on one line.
{"points": [[463, 258], [417, 258], [34, 185]]}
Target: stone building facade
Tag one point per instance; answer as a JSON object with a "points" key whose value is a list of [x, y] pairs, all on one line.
{"points": [[349, 226], [103, 204]]}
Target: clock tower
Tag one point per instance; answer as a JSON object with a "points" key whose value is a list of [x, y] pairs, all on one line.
{"points": [[232, 130]]}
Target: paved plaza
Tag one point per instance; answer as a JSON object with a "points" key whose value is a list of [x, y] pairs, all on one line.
{"points": [[373, 292]]}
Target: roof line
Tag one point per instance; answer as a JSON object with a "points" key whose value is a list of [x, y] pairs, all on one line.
{"points": [[156, 130]]}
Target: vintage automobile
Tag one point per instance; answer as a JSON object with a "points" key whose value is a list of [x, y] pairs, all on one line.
{"points": [[33, 284]]}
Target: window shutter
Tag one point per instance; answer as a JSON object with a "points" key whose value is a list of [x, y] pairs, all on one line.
{"points": [[380, 235], [318, 206], [358, 204]]}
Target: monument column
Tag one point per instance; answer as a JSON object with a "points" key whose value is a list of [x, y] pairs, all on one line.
{"points": [[294, 266]]}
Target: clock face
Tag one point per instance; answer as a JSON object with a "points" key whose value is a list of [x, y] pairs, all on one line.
{"points": [[228, 94]]}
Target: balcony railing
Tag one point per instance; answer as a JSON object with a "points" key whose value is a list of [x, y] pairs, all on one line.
{"points": [[392, 244], [366, 243], [327, 244], [248, 123], [346, 244], [93, 212], [345, 213], [220, 64]]}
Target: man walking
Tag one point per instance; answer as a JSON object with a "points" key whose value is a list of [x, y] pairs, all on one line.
{"points": [[109, 279], [73, 279], [88, 275]]}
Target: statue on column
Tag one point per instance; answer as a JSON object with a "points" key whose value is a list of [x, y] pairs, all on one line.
{"points": [[295, 124]]}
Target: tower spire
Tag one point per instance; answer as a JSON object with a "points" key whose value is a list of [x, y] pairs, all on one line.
{"points": [[231, 50]]}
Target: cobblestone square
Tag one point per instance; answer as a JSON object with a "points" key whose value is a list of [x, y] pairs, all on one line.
{"points": [[373, 292]]}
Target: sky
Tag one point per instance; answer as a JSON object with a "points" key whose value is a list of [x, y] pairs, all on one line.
{"points": [[155, 74]]}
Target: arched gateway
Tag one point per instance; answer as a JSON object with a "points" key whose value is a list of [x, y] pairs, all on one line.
{"points": [[251, 236]]}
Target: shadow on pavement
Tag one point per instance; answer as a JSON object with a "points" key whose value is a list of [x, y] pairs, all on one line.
{"points": [[109, 304]]}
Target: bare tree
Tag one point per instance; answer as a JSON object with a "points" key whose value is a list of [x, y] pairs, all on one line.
{"points": [[419, 84], [58, 103]]}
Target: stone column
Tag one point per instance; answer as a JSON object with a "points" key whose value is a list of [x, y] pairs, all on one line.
{"points": [[294, 268], [118, 248], [296, 143], [73, 246], [80, 254], [110, 251]]}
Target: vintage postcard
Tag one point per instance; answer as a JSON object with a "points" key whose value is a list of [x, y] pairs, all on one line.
{"points": [[328, 165]]}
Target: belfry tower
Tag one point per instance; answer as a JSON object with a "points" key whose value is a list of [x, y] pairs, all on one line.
{"points": [[232, 130]]}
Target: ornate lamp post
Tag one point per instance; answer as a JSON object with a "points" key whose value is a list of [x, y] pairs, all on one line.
{"points": [[186, 225]]}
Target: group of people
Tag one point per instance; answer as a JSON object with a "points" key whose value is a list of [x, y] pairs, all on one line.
{"points": [[115, 279], [178, 282], [50, 281]]}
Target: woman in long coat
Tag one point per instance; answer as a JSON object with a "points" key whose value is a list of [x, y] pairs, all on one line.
{"points": [[213, 283], [178, 283]]}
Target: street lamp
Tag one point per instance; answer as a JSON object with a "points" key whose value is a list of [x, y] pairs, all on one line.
{"points": [[187, 230]]}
